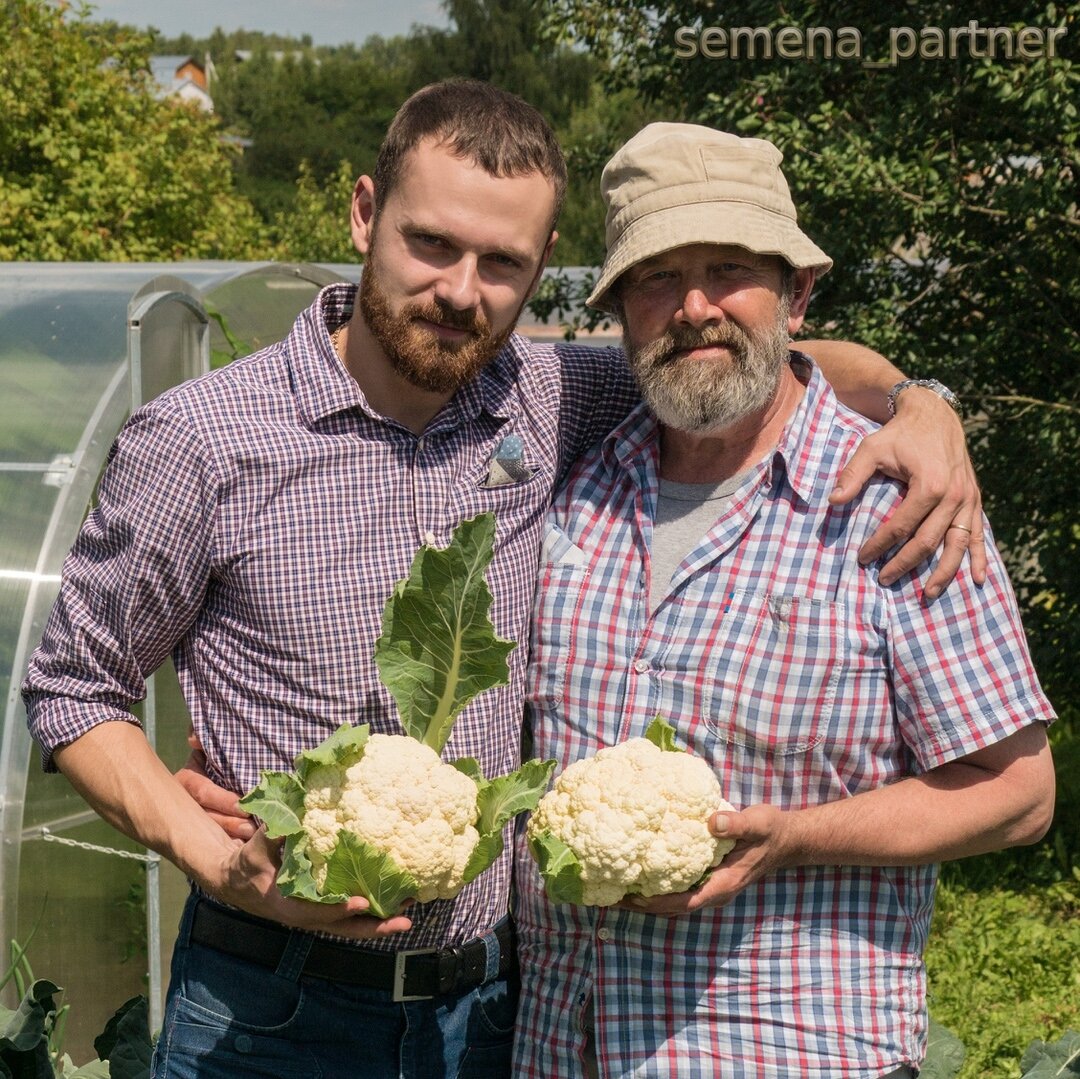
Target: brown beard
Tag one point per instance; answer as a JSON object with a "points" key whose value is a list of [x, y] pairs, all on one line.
{"points": [[700, 396], [416, 353]]}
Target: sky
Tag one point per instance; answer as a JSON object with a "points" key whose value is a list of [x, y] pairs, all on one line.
{"points": [[329, 22]]}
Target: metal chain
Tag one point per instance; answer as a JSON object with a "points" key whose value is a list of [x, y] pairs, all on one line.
{"points": [[135, 856]]}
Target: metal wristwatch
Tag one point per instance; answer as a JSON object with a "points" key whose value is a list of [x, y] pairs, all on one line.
{"points": [[930, 384]]}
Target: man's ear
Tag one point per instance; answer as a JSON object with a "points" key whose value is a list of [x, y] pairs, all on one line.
{"points": [[548, 248], [804, 285], [362, 214]]}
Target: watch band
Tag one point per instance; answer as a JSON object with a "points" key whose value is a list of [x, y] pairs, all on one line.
{"points": [[930, 384]]}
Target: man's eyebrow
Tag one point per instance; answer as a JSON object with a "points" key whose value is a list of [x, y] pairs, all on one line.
{"points": [[416, 228]]}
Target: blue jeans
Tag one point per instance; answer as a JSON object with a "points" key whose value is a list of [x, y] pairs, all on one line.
{"points": [[226, 1018]]}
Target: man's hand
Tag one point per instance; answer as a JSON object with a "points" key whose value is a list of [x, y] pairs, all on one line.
{"points": [[221, 805], [248, 880], [924, 447], [759, 849]]}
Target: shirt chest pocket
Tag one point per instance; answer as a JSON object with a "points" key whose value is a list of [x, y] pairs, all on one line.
{"points": [[776, 671]]}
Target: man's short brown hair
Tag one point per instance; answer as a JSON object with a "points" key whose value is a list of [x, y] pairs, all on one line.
{"points": [[480, 123]]}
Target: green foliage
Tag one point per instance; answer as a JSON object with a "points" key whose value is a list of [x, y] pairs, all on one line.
{"points": [[315, 227], [501, 41], [31, 1036], [1055, 1061], [945, 189], [559, 866], [589, 136], [662, 734], [1002, 970], [944, 1053], [357, 868], [92, 165], [306, 112]]}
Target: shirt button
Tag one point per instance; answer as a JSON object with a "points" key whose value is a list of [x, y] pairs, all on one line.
{"points": [[641, 665], [243, 1043], [604, 934]]}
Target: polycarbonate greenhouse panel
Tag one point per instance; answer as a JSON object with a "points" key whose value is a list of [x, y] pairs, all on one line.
{"points": [[80, 346]]}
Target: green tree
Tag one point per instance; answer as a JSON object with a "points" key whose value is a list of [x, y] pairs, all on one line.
{"points": [[321, 107], [502, 42], [315, 228], [92, 165], [946, 190]]}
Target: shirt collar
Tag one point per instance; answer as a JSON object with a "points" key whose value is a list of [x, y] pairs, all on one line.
{"points": [[323, 386], [803, 453]]}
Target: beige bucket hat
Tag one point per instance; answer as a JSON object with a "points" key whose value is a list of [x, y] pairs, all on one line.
{"points": [[677, 184]]}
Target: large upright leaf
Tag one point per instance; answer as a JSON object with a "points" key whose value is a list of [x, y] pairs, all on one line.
{"points": [[438, 647]]}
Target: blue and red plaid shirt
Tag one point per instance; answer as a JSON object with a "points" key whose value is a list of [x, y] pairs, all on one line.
{"points": [[251, 524], [802, 680]]}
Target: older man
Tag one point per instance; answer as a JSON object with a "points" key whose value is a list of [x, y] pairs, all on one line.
{"points": [[695, 567]]}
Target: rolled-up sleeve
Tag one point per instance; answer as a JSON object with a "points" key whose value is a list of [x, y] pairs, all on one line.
{"points": [[132, 584]]}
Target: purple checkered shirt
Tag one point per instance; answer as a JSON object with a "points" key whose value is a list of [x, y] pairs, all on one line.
{"points": [[802, 680], [252, 523]]}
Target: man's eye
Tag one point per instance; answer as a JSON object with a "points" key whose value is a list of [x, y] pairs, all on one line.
{"points": [[656, 277]]}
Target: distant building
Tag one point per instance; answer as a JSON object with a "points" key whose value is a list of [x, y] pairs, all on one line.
{"points": [[183, 77], [279, 55]]}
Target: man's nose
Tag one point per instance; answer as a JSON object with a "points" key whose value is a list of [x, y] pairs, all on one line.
{"points": [[459, 285], [697, 308]]}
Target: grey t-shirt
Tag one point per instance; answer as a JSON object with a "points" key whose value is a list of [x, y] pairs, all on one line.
{"points": [[684, 513]]}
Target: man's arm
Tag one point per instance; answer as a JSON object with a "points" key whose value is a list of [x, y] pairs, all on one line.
{"points": [[118, 773], [924, 446], [1001, 796]]}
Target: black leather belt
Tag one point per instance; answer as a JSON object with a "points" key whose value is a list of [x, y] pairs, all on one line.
{"points": [[416, 974]]}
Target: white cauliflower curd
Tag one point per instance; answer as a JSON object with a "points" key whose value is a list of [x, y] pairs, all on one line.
{"points": [[632, 819], [402, 798]]}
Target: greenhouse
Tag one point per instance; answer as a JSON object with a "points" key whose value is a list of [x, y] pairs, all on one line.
{"points": [[84, 344]]}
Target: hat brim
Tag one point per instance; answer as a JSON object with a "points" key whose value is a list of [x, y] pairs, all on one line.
{"points": [[739, 224]]}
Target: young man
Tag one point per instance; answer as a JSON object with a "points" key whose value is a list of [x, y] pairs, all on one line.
{"points": [[253, 522], [696, 568]]}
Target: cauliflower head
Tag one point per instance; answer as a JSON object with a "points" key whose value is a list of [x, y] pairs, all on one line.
{"points": [[403, 799], [632, 819]]}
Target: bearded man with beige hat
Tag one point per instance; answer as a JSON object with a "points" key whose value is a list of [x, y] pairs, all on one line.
{"points": [[695, 567]]}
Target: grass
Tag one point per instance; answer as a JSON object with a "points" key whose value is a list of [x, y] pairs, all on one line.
{"points": [[1003, 960], [1003, 971]]}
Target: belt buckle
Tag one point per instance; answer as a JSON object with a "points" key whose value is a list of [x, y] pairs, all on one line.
{"points": [[400, 959]]}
